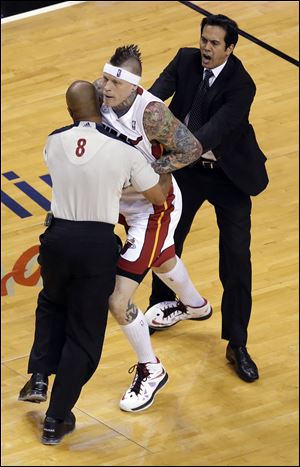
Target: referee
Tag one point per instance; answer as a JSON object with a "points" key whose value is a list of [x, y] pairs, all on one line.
{"points": [[78, 254]]}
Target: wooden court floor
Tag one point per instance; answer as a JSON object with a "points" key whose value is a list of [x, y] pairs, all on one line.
{"points": [[205, 416]]}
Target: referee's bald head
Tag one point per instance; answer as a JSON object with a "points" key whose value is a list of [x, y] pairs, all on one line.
{"points": [[82, 100]]}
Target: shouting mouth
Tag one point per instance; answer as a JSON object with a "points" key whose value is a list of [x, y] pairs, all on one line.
{"points": [[206, 59]]}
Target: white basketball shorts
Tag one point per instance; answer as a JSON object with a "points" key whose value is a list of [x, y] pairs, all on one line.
{"points": [[150, 232]]}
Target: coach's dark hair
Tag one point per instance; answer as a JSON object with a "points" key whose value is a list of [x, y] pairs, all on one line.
{"points": [[129, 54], [230, 26]]}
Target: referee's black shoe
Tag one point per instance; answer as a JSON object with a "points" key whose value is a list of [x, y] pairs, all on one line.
{"points": [[35, 390], [54, 430]]}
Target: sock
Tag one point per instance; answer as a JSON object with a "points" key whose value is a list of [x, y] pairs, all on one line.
{"points": [[138, 335], [179, 281]]}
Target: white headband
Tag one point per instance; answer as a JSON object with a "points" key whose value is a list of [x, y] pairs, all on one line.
{"points": [[121, 73]]}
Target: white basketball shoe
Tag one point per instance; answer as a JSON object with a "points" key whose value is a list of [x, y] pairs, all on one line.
{"points": [[166, 314], [148, 380]]}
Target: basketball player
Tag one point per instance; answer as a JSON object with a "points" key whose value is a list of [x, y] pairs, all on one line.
{"points": [[146, 121]]}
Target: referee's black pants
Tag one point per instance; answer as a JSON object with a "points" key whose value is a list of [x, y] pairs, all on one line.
{"points": [[233, 212], [78, 268]]}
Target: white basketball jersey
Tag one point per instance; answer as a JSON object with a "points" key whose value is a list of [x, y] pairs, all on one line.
{"points": [[131, 125]]}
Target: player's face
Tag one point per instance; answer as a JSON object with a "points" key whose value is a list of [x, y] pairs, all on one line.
{"points": [[213, 48], [115, 91]]}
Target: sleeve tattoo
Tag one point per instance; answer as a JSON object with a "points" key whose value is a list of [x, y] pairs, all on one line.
{"points": [[181, 147]]}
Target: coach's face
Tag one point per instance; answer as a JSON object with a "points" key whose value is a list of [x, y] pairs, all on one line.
{"points": [[116, 91], [213, 48]]}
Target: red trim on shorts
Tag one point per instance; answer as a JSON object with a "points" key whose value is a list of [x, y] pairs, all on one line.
{"points": [[155, 236], [168, 253]]}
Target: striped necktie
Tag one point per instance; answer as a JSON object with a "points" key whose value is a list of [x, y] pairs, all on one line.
{"points": [[195, 114]]}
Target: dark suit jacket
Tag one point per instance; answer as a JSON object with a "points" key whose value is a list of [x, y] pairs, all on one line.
{"points": [[227, 131]]}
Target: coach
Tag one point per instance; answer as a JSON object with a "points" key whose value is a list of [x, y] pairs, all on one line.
{"points": [[213, 94]]}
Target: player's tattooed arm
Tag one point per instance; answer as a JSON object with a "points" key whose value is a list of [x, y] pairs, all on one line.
{"points": [[131, 312], [99, 88], [181, 146]]}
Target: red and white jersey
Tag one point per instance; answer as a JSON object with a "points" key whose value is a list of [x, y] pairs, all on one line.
{"points": [[131, 125]]}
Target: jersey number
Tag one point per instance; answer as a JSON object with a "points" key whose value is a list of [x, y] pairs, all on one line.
{"points": [[80, 147]]}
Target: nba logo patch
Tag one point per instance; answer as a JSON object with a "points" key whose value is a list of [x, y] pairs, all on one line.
{"points": [[133, 124], [119, 72]]}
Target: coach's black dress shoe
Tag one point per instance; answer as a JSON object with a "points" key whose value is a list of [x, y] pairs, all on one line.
{"points": [[35, 390], [243, 364], [54, 430]]}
